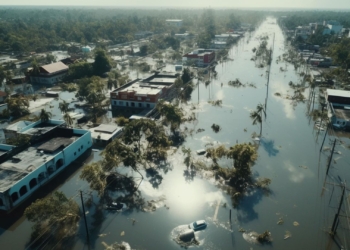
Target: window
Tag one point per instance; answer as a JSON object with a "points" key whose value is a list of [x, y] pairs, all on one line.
{"points": [[121, 103], [148, 106], [1, 202], [140, 105], [75, 153], [88, 142], [139, 98], [132, 104], [148, 99], [114, 103], [79, 149], [81, 146]]}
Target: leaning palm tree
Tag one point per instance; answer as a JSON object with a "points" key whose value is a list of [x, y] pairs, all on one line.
{"points": [[257, 115], [68, 119], [45, 116], [63, 106]]}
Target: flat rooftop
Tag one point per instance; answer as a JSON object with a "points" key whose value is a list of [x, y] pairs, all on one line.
{"points": [[20, 165], [337, 92], [105, 132], [143, 89]]}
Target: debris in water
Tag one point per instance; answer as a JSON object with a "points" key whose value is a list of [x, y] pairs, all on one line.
{"points": [[326, 148], [280, 221], [287, 235], [295, 223], [338, 152], [102, 235], [122, 233], [304, 167], [242, 230], [256, 139]]}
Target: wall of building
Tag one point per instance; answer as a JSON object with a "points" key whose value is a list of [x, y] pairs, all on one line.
{"points": [[47, 170], [132, 104]]}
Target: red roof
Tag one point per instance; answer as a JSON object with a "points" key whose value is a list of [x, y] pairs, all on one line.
{"points": [[2, 94]]}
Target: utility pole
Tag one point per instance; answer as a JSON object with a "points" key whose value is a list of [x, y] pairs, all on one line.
{"points": [[324, 138], [336, 217], [86, 226], [330, 159]]}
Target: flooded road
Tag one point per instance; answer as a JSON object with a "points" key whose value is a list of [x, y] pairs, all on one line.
{"points": [[288, 155]]}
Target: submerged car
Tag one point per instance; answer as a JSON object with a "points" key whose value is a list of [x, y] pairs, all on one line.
{"points": [[198, 225], [115, 206]]}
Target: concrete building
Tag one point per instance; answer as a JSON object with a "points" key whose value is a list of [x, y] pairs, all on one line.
{"points": [[338, 102], [143, 93], [218, 45], [50, 73], [303, 31], [200, 57], [25, 170], [174, 22], [105, 133]]}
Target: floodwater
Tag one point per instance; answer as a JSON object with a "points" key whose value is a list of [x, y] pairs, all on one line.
{"points": [[289, 154]]}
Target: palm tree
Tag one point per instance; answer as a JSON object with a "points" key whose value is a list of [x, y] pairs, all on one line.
{"points": [[68, 119], [63, 106], [257, 115], [45, 116]]}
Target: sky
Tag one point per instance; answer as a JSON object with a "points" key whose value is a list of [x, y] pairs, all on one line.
{"points": [[313, 4]]}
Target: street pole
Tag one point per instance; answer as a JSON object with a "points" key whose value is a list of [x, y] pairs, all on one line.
{"points": [[86, 226]]}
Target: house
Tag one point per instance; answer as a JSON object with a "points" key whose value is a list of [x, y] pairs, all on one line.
{"points": [[332, 27], [24, 170], [3, 96], [143, 93], [218, 45], [105, 133], [50, 73], [200, 57], [303, 31], [338, 102], [3, 107], [174, 22]]}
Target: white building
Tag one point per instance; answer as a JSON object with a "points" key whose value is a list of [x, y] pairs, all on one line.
{"points": [[26, 170], [50, 73], [105, 133], [303, 31], [338, 102], [174, 22]]}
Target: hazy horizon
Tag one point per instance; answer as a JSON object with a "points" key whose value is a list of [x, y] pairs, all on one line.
{"points": [[250, 4]]}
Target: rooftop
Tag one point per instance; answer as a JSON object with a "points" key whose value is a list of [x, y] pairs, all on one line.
{"points": [[54, 67], [19, 166], [105, 132], [337, 92], [174, 20]]}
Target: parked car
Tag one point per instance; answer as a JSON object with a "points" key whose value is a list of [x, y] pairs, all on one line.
{"points": [[198, 225]]}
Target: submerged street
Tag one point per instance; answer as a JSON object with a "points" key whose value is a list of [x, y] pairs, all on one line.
{"points": [[295, 212]]}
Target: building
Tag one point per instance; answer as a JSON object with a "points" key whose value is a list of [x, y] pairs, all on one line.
{"points": [[224, 37], [143, 93], [86, 49], [332, 27], [143, 34], [25, 170], [338, 102], [303, 31], [174, 22], [184, 36], [218, 45], [3, 107], [50, 73], [3, 96], [104, 134], [200, 57]]}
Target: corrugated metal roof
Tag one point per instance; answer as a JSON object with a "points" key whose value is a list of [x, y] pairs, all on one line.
{"points": [[54, 67]]}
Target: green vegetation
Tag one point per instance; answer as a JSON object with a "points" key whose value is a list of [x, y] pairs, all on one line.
{"points": [[55, 216], [144, 144], [257, 115]]}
